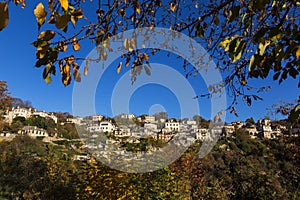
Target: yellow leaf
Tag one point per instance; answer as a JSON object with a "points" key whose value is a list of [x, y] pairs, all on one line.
{"points": [[298, 51], [103, 55], [3, 15], [138, 8], [119, 68], [40, 14], [126, 44], [172, 7], [76, 45], [66, 78], [78, 13], [146, 56], [225, 43], [106, 44], [65, 47], [86, 70], [244, 82], [74, 20], [46, 35], [64, 4]]}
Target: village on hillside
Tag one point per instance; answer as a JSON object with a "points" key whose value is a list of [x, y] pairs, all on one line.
{"points": [[157, 127]]}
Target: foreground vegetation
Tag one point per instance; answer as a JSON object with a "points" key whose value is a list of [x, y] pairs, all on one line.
{"points": [[237, 168]]}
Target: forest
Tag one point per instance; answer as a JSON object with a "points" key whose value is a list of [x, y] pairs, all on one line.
{"points": [[237, 168]]}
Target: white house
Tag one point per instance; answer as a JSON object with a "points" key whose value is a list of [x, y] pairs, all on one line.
{"points": [[252, 131], [202, 134], [264, 125], [122, 131], [127, 116], [104, 126], [165, 135], [75, 120], [17, 112], [33, 131], [189, 122], [149, 119], [150, 128], [97, 118], [229, 128], [172, 125], [26, 113], [45, 115], [238, 124]]}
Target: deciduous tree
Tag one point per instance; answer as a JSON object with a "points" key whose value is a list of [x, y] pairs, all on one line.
{"points": [[248, 39]]}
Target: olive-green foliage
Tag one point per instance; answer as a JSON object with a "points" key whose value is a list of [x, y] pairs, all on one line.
{"points": [[237, 168]]}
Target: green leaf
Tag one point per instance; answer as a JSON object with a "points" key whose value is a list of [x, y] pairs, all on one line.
{"points": [[3, 15]]}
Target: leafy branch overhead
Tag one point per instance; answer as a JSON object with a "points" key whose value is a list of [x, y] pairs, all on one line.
{"points": [[248, 39]]}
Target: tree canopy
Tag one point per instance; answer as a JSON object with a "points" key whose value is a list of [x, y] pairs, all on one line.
{"points": [[5, 98], [248, 39]]}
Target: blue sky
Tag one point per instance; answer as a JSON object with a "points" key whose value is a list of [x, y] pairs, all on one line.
{"points": [[25, 81]]}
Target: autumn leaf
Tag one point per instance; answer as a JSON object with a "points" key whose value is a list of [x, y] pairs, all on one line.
{"points": [[172, 7], [147, 70], [46, 35], [119, 68], [66, 74], [62, 22], [86, 70], [49, 69], [298, 51], [77, 75], [3, 15], [40, 14], [126, 44], [64, 4], [225, 43], [78, 13], [76, 45], [138, 8], [146, 56]]}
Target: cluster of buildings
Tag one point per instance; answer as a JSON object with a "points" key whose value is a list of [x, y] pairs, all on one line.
{"points": [[27, 113], [149, 126], [166, 129]]}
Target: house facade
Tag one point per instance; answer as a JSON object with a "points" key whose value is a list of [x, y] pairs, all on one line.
{"points": [[26, 113], [33, 131]]}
